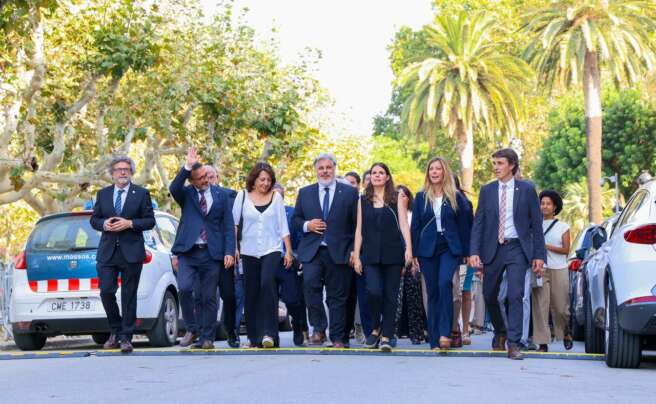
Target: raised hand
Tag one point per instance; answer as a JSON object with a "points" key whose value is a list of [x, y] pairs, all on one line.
{"points": [[192, 156]]}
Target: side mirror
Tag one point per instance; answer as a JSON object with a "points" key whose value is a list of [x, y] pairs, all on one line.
{"points": [[599, 237]]}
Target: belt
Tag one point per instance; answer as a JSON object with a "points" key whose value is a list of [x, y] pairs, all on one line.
{"points": [[200, 246], [509, 241]]}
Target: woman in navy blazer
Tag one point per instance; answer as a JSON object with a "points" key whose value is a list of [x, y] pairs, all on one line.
{"points": [[441, 226]]}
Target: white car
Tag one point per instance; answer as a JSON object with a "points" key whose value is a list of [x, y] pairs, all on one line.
{"points": [[55, 284], [622, 282]]}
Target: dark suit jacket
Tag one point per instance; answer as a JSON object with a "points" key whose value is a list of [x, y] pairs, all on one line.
{"points": [[527, 219], [218, 222], [341, 222], [455, 224], [138, 208]]}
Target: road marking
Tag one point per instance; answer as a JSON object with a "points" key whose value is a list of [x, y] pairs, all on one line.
{"points": [[299, 351]]}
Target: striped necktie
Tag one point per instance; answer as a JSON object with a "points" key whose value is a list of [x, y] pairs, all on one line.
{"points": [[502, 214], [118, 203], [203, 208]]}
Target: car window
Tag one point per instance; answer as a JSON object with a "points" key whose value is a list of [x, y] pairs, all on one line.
{"points": [[166, 229], [65, 233], [628, 214]]}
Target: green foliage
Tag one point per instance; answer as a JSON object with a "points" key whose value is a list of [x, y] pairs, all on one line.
{"points": [[629, 146], [575, 205], [617, 31]]}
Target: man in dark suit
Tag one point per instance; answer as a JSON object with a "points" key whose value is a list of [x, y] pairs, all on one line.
{"points": [[326, 213], [227, 289], [204, 244], [507, 237], [122, 212]]}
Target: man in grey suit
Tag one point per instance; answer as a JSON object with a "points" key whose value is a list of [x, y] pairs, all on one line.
{"points": [[507, 237]]}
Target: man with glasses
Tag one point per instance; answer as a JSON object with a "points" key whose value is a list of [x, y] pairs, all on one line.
{"points": [[123, 211]]}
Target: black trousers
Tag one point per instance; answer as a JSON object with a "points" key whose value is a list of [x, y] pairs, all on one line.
{"points": [[510, 258], [383, 282], [290, 290], [351, 305], [261, 296], [108, 274], [321, 271], [228, 296]]}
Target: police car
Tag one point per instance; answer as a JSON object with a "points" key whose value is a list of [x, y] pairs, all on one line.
{"points": [[55, 287]]}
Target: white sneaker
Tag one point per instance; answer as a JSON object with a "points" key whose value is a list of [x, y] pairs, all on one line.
{"points": [[267, 342]]}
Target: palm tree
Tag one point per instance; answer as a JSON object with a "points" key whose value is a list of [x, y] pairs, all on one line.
{"points": [[469, 85], [574, 39]]}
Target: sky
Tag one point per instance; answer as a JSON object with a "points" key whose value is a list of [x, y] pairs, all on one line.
{"points": [[353, 37]]}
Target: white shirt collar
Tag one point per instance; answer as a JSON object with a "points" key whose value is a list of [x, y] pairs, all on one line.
{"points": [[332, 186], [126, 189], [510, 184]]}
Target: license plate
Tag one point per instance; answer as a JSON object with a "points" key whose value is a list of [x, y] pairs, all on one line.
{"points": [[72, 305]]}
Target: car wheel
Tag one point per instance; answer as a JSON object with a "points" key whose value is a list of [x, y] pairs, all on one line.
{"points": [[165, 331], [622, 349], [100, 337], [594, 337], [29, 342]]}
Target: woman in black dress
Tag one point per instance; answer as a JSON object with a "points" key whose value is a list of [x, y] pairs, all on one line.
{"points": [[383, 235], [410, 314]]}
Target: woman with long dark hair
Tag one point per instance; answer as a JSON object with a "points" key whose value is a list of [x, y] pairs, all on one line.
{"points": [[261, 222], [441, 220], [410, 315], [383, 235]]}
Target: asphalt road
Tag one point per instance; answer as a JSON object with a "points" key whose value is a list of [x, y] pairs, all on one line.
{"points": [[314, 377]]}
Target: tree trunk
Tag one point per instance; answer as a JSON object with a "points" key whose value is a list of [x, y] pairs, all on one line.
{"points": [[592, 95], [465, 146]]}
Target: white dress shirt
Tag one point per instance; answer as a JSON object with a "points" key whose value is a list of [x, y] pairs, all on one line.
{"points": [[437, 209], [322, 192], [510, 230], [262, 233]]}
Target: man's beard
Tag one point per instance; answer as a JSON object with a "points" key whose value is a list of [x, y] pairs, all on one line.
{"points": [[325, 183]]}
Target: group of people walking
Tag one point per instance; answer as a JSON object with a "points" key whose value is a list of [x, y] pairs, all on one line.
{"points": [[401, 260]]}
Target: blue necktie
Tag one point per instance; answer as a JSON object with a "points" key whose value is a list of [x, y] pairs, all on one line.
{"points": [[326, 203], [117, 203]]}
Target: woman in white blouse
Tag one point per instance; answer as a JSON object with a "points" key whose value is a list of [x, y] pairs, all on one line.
{"points": [[554, 294], [261, 223]]}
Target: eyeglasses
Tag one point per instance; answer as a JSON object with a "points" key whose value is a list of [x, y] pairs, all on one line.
{"points": [[122, 170]]}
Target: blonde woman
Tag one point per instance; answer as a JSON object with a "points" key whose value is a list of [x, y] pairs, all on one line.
{"points": [[441, 225]]}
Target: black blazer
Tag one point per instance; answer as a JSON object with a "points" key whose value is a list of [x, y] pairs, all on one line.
{"points": [[456, 226], [527, 219], [138, 208], [218, 222], [341, 222]]}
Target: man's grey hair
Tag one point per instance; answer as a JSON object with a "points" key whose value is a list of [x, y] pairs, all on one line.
{"points": [[121, 159], [211, 167], [325, 156]]}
